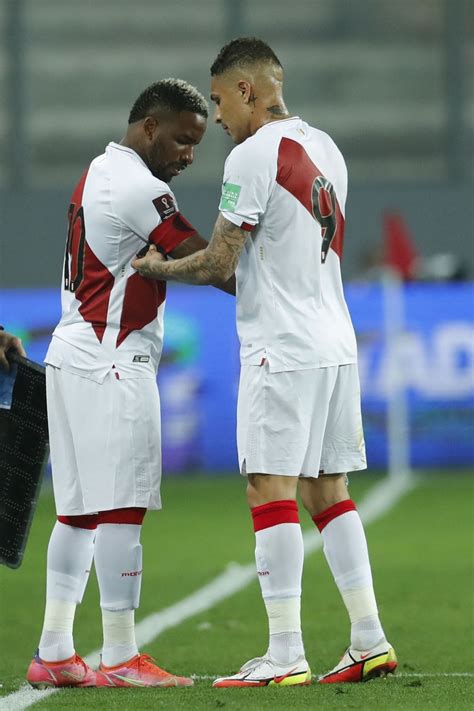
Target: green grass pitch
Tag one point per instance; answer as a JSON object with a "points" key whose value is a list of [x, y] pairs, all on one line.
{"points": [[421, 553]]}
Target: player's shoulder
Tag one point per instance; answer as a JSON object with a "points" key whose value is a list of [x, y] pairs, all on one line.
{"points": [[129, 170], [264, 145], [252, 155], [132, 181], [251, 146], [324, 140]]}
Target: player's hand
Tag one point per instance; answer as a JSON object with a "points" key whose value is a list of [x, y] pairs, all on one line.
{"points": [[9, 343], [150, 265]]}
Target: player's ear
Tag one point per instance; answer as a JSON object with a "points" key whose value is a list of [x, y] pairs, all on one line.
{"points": [[245, 89], [150, 125]]}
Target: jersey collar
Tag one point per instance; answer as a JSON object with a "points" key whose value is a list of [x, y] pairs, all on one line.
{"points": [[126, 149], [273, 123]]}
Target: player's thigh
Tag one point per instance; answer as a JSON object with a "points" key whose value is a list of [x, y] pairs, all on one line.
{"points": [[320, 384], [60, 437], [113, 432], [59, 397], [343, 445], [272, 421], [129, 455]]}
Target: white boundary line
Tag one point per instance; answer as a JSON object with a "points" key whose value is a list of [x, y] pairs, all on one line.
{"points": [[399, 675], [380, 499], [428, 675], [436, 675]]}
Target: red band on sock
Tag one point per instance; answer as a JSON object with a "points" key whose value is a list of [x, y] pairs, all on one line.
{"points": [[129, 515], [274, 513], [88, 521], [321, 520]]}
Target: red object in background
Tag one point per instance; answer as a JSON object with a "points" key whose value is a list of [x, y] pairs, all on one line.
{"points": [[399, 249]]}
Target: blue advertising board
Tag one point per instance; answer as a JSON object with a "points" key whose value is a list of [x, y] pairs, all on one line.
{"points": [[436, 363], [199, 372]]}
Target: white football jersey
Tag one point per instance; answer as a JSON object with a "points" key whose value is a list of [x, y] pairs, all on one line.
{"points": [[287, 185], [112, 318]]}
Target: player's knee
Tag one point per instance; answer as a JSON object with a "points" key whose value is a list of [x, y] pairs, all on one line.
{"points": [[253, 497], [317, 495], [306, 499], [264, 488]]}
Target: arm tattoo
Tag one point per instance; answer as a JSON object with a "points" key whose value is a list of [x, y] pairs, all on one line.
{"points": [[213, 265], [189, 246]]}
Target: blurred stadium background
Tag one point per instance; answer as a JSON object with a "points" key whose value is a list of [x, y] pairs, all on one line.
{"points": [[389, 81]]}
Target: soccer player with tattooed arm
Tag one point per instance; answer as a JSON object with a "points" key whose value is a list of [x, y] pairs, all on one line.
{"points": [[299, 425], [103, 402]]}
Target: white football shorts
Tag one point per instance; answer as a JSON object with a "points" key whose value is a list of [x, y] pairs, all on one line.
{"points": [[301, 422], [105, 441]]}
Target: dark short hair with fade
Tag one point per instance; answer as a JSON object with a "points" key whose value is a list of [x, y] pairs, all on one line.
{"points": [[241, 52], [172, 95]]}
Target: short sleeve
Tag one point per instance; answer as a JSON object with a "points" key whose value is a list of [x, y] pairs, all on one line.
{"points": [[151, 212], [247, 184]]}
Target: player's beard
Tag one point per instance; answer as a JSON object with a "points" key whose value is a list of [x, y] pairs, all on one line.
{"points": [[165, 172], [158, 166]]}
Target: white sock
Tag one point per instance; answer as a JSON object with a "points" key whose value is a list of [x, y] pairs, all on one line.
{"points": [[345, 548], [118, 564], [69, 562], [56, 643], [284, 624], [279, 554], [119, 636]]}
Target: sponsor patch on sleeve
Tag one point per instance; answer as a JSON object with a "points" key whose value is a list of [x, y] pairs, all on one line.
{"points": [[165, 206], [230, 197]]}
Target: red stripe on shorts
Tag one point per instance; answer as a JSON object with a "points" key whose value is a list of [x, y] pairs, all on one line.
{"points": [[128, 515], [88, 521], [321, 520], [274, 513]]}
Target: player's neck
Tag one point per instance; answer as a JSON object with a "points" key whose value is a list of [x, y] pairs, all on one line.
{"points": [[272, 109], [131, 141]]}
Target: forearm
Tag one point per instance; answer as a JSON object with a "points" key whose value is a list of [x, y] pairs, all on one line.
{"points": [[215, 265], [229, 287], [198, 268]]}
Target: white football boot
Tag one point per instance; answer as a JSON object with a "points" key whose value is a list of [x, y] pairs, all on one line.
{"points": [[263, 671], [362, 665]]}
